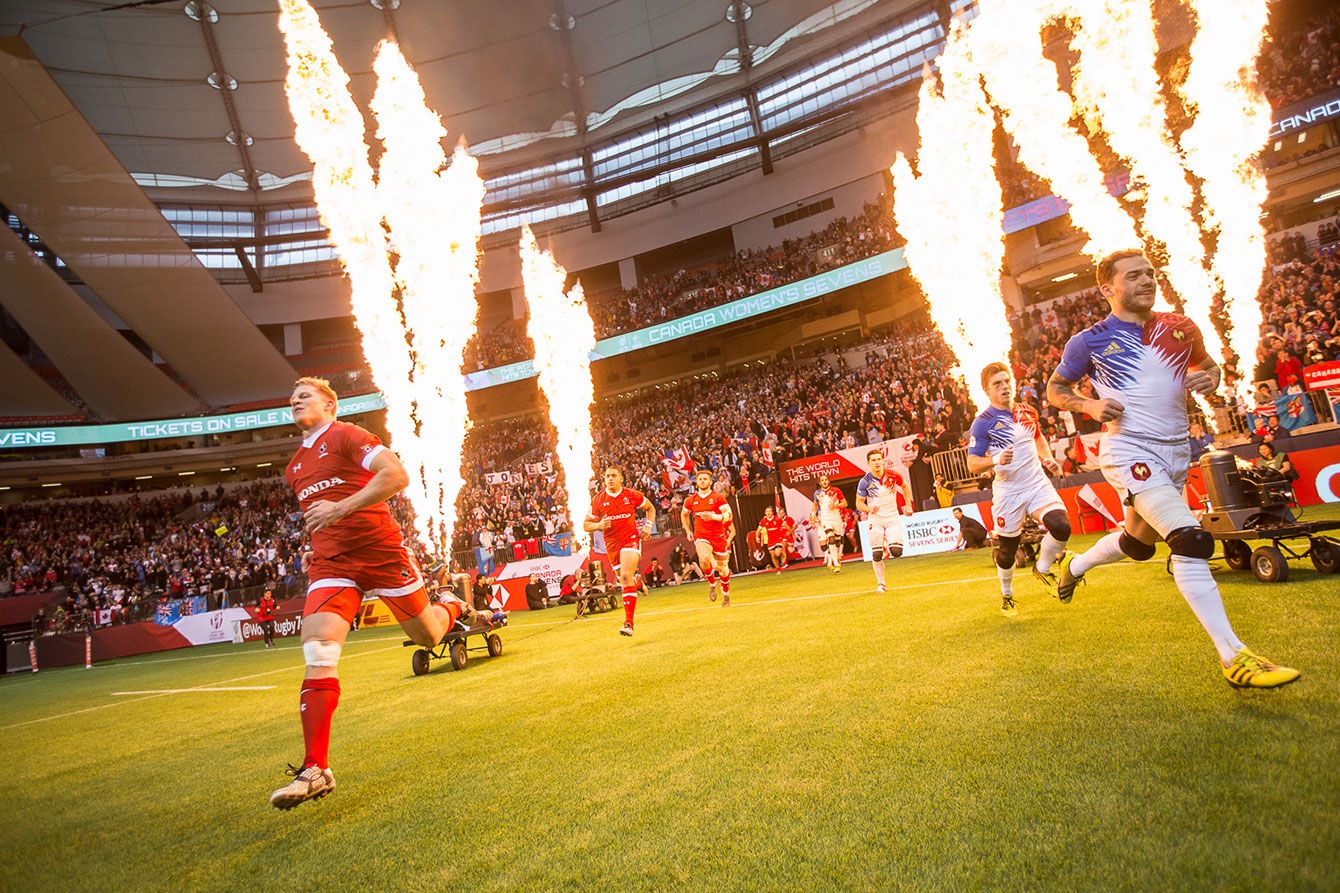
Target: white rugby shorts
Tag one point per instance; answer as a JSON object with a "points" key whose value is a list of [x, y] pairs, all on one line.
{"points": [[886, 532], [1132, 465], [1011, 505]]}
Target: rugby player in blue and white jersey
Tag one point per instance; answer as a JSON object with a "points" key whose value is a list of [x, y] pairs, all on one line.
{"points": [[884, 495], [1142, 364], [1005, 438]]}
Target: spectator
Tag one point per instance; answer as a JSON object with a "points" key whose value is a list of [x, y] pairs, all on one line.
{"points": [[537, 593]]}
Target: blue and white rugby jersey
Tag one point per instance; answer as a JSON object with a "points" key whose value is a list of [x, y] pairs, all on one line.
{"points": [[1143, 367], [996, 430]]}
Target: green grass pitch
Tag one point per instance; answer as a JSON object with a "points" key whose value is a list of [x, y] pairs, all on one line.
{"points": [[814, 735]]}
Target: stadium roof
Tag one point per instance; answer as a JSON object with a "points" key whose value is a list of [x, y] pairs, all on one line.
{"points": [[193, 92], [113, 110]]}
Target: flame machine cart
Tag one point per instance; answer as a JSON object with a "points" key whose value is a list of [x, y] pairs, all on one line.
{"points": [[1245, 504], [456, 645]]}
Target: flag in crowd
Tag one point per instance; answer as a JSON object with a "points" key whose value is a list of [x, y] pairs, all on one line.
{"points": [[678, 465]]}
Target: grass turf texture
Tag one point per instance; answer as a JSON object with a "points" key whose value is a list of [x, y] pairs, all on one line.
{"points": [[813, 735]]}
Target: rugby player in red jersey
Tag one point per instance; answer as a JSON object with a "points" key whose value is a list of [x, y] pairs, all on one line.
{"points": [[343, 476], [711, 520], [772, 533], [614, 510]]}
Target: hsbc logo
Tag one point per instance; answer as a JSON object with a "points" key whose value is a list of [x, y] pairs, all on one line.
{"points": [[1326, 483], [318, 487]]}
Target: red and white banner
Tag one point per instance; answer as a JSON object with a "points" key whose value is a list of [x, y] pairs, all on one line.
{"points": [[1321, 376], [800, 477], [510, 591]]}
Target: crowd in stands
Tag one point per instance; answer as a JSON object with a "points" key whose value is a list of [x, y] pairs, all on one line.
{"points": [[1303, 62], [1302, 324], [499, 346], [129, 554], [530, 505], [660, 298]]}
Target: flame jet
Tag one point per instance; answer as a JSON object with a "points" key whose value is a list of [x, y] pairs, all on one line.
{"points": [[330, 130], [564, 335], [956, 201], [1117, 89], [433, 222], [1006, 44], [1231, 123]]}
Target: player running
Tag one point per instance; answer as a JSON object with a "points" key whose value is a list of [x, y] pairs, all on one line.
{"points": [[772, 534], [884, 495], [1005, 438], [826, 516], [614, 510], [711, 525], [343, 476], [1142, 364]]}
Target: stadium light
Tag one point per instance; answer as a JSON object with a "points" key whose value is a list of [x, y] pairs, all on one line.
{"points": [[1064, 278], [183, 474], [143, 477], [51, 485], [1327, 196], [263, 465]]}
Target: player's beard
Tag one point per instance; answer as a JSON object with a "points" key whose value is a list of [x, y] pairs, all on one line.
{"points": [[1138, 301]]}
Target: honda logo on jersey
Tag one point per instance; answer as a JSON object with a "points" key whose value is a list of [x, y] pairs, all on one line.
{"points": [[318, 487]]}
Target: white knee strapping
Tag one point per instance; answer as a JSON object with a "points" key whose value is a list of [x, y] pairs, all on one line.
{"points": [[1164, 509], [322, 654]]}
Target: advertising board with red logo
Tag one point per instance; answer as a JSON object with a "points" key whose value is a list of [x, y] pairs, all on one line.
{"points": [[925, 532], [800, 477]]}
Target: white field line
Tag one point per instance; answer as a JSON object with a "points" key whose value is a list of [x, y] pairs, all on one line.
{"points": [[177, 691], [163, 695], [771, 601]]}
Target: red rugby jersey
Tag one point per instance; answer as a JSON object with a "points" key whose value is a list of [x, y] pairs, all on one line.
{"points": [[773, 529], [333, 463], [621, 510], [707, 528]]}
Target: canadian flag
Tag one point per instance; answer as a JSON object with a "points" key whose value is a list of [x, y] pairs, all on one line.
{"points": [[1089, 496], [678, 464], [766, 455]]}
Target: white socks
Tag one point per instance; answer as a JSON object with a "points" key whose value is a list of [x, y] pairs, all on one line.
{"points": [[1202, 594], [1047, 552], [1106, 551], [879, 572], [1006, 575]]}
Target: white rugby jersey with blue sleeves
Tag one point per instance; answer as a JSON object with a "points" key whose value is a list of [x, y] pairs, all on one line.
{"points": [[1143, 367], [884, 496], [996, 430]]}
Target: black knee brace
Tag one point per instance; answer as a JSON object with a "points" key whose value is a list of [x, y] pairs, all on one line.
{"points": [[1191, 542], [1134, 548], [1057, 523], [895, 550], [877, 554], [1006, 546]]}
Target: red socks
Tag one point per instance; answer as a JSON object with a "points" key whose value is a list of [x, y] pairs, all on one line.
{"points": [[316, 706], [711, 576], [725, 584], [629, 604]]}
